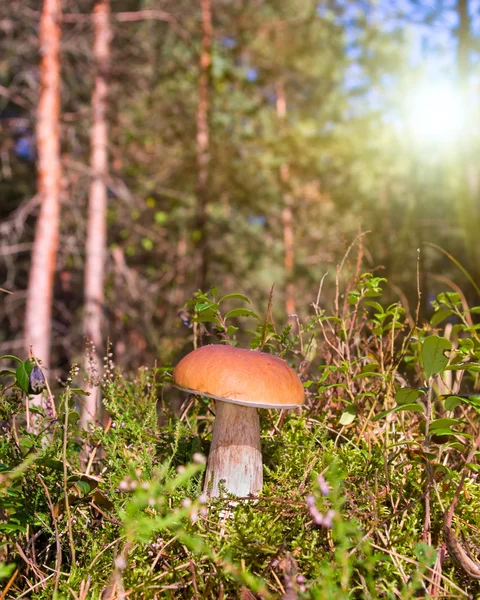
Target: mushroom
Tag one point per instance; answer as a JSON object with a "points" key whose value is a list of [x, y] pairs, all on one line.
{"points": [[240, 381]]}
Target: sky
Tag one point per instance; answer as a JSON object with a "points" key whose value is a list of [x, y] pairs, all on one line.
{"points": [[427, 33]]}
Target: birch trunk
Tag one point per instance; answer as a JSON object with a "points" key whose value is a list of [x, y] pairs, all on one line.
{"points": [[203, 142], [38, 314], [96, 244]]}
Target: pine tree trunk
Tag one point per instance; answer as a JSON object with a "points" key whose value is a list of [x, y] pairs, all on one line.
{"points": [[287, 220], [467, 203], [463, 43], [38, 315], [203, 142], [97, 206]]}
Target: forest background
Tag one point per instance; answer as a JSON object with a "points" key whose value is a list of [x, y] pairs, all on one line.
{"points": [[244, 144]]}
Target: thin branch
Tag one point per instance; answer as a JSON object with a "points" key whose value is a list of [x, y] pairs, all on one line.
{"points": [[15, 249], [58, 560]]}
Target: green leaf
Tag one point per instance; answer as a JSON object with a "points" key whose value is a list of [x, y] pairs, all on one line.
{"points": [[83, 486], [51, 463], [73, 417], [234, 296], [161, 217], [456, 445], [11, 357], [205, 316], [79, 392], [443, 423], [6, 570], [147, 244], [201, 306], [241, 312], [22, 374], [376, 305], [373, 294], [452, 402], [40, 519], [311, 351], [474, 401], [474, 367], [348, 416], [407, 407], [446, 431], [12, 528], [433, 357], [26, 442], [440, 316], [408, 395], [369, 374]]}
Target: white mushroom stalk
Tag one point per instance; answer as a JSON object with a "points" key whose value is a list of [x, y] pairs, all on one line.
{"points": [[240, 381], [235, 458]]}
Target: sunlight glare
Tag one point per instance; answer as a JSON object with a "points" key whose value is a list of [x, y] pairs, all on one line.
{"points": [[436, 114]]}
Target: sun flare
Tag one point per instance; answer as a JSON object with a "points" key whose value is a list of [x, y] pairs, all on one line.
{"points": [[436, 113]]}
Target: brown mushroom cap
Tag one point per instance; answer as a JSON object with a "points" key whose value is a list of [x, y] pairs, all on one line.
{"points": [[245, 377]]}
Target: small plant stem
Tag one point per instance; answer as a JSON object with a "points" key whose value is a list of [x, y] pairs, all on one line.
{"points": [[454, 547], [451, 510], [268, 319], [456, 263], [427, 537], [195, 335], [50, 395], [96, 447], [38, 572], [10, 582], [27, 413], [58, 560], [65, 477], [194, 579]]}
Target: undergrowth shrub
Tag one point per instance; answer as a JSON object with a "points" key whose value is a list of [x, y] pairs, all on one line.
{"points": [[370, 492]]}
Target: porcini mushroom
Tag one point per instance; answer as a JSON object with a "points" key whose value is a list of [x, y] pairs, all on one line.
{"points": [[240, 381]]}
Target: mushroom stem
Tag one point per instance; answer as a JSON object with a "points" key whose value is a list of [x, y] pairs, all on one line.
{"points": [[235, 454]]}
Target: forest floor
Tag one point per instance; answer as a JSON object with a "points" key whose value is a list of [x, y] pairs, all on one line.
{"points": [[370, 491]]}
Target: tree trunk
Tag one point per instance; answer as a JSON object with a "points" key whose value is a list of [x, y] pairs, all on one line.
{"points": [[96, 244], [467, 205], [463, 43], [203, 142], [287, 221], [38, 315]]}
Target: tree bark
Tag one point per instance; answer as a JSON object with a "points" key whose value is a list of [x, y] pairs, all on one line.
{"points": [[203, 142], [96, 244], [463, 43], [38, 314], [467, 206], [287, 220]]}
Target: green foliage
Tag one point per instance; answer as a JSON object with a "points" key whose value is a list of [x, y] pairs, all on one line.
{"points": [[206, 309]]}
